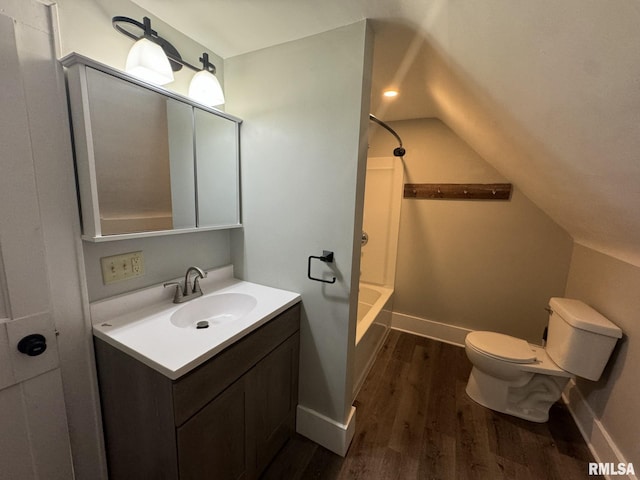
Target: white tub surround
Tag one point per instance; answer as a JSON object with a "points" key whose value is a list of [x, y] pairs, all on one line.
{"points": [[371, 301], [139, 323], [374, 320], [443, 332]]}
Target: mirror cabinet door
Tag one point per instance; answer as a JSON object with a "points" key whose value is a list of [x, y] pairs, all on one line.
{"points": [[217, 170], [143, 154], [183, 188]]}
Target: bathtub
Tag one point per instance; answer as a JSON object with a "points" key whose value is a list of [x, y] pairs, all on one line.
{"points": [[374, 319]]}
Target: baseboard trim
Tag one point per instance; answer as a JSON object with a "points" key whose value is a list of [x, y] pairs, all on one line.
{"points": [[602, 446], [428, 328], [323, 430]]}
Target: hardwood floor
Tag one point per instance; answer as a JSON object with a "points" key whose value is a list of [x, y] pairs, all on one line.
{"points": [[415, 421]]}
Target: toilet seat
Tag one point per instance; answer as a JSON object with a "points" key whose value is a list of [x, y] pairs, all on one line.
{"points": [[501, 347]]}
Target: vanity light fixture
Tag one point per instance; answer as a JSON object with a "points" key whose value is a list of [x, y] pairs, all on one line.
{"points": [[205, 87], [145, 61], [390, 93]]}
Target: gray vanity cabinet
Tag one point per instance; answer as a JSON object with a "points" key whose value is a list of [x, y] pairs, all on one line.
{"points": [[224, 420]]}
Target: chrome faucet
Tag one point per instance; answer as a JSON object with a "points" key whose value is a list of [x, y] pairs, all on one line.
{"points": [[184, 292]]}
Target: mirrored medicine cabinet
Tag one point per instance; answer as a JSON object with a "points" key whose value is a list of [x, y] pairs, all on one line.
{"points": [[149, 161]]}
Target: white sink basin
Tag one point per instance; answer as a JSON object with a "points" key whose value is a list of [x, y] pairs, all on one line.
{"points": [[213, 310], [147, 325]]}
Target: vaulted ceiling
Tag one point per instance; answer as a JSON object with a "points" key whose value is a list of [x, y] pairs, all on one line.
{"points": [[548, 92]]}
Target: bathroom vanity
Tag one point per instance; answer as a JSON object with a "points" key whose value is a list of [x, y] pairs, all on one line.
{"points": [[223, 416]]}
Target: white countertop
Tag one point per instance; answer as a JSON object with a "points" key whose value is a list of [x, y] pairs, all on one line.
{"points": [[139, 323]]}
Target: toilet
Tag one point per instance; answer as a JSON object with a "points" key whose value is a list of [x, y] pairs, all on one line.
{"points": [[514, 377]]}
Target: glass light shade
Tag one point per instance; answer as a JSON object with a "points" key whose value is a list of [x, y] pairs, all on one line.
{"points": [[205, 88], [147, 61]]}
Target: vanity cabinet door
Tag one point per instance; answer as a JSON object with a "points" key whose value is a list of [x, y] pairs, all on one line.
{"points": [[213, 443], [273, 392]]}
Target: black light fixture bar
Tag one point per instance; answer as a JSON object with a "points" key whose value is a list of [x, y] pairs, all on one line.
{"points": [[206, 64], [175, 59]]}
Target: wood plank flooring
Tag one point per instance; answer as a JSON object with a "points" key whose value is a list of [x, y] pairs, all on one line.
{"points": [[415, 421]]}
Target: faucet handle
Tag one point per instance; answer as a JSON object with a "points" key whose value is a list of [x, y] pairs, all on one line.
{"points": [[177, 297]]}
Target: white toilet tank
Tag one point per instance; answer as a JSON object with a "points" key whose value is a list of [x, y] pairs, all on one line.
{"points": [[580, 340]]}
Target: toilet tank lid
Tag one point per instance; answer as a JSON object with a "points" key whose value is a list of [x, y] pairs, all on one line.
{"points": [[580, 315]]}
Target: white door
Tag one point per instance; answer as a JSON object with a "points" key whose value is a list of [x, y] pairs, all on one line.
{"points": [[34, 437]]}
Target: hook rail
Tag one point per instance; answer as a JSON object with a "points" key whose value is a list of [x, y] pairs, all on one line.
{"points": [[468, 191]]}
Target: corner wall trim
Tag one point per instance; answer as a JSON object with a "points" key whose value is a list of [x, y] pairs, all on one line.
{"points": [[428, 328], [602, 447], [323, 430]]}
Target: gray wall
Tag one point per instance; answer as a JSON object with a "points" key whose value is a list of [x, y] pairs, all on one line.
{"points": [[611, 287], [481, 265], [165, 258], [303, 164], [85, 27], [303, 148], [3, 305]]}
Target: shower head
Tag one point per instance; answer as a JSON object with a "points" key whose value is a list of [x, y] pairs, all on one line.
{"points": [[399, 152]]}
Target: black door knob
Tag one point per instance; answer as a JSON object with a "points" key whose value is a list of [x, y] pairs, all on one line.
{"points": [[32, 345]]}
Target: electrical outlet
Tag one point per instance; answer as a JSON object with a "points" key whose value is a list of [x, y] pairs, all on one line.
{"points": [[122, 267]]}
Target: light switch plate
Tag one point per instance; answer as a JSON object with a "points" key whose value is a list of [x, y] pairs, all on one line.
{"points": [[122, 267]]}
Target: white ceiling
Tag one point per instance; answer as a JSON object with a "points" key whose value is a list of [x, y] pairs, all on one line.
{"points": [[547, 92], [231, 28]]}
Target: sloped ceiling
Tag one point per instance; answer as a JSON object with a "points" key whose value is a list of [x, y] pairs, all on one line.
{"points": [[547, 92]]}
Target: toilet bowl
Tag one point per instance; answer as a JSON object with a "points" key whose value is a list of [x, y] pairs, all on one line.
{"points": [[512, 376]]}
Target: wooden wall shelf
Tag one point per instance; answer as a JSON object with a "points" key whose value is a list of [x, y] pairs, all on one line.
{"points": [[459, 191]]}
